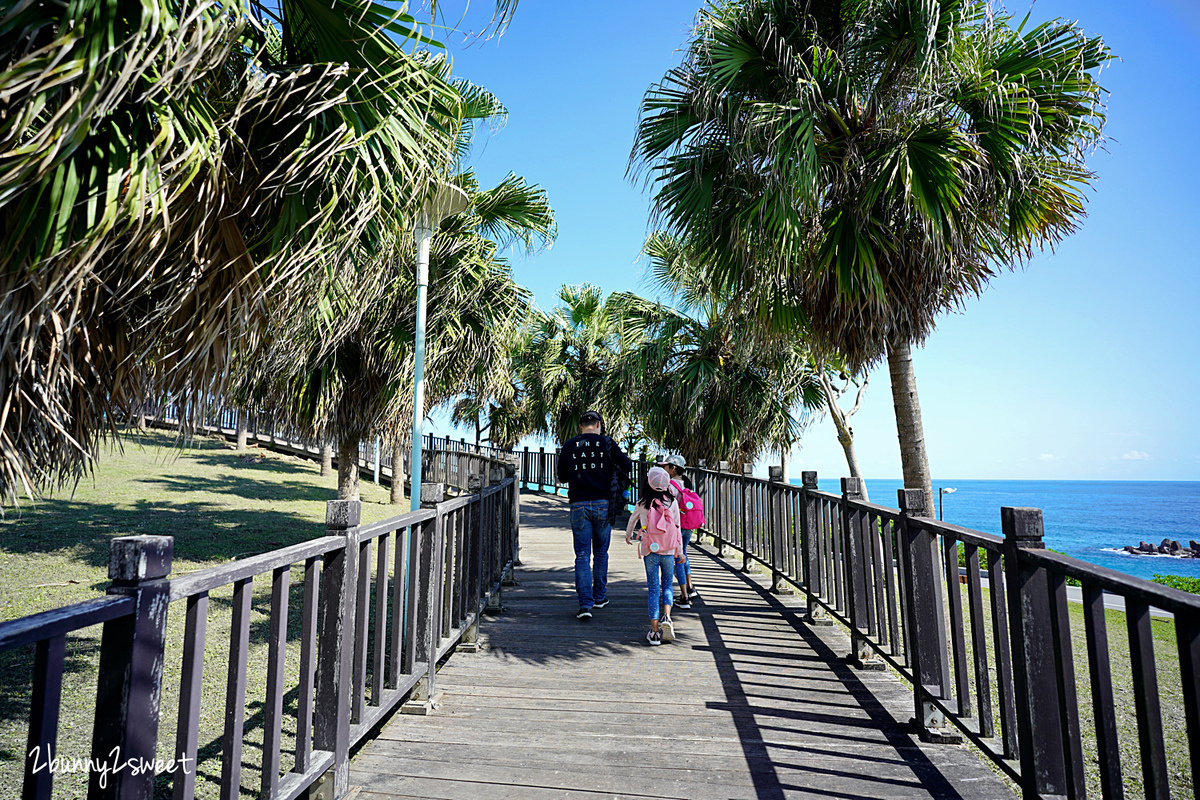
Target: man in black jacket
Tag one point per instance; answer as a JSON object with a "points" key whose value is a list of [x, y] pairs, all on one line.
{"points": [[586, 465]]}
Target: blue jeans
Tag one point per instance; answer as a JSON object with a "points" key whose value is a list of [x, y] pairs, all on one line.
{"points": [[589, 525], [659, 569], [683, 571]]}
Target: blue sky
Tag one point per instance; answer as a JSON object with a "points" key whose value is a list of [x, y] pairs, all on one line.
{"points": [[1084, 365]]}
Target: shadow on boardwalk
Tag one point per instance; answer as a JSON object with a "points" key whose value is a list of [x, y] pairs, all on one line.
{"points": [[747, 702]]}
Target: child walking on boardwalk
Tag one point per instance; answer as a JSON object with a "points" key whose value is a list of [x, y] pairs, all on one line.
{"points": [[661, 547], [691, 516]]}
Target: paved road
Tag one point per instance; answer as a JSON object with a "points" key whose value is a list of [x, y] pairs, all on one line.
{"points": [[749, 702]]}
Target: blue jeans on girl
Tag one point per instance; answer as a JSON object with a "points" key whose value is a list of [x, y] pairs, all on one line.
{"points": [[659, 569], [682, 571]]}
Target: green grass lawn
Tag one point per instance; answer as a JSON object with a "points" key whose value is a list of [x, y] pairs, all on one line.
{"points": [[219, 505], [1170, 690]]}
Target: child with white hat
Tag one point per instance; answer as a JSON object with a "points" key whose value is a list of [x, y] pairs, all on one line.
{"points": [[661, 547]]}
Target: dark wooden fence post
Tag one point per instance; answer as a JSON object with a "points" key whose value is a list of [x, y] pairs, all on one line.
{"points": [[335, 640], [641, 468], [426, 593], [1047, 741], [541, 470], [854, 526], [476, 525], [925, 621], [810, 549], [512, 469], [746, 493], [777, 520], [722, 507], [129, 683]]}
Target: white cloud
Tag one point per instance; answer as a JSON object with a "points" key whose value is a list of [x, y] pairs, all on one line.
{"points": [[1046, 456], [1132, 455]]}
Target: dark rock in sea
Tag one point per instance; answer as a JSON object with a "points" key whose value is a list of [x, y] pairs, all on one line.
{"points": [[1146, 547], [1194, 545], [1165, 543], [1174, 546], [1131, 549]]}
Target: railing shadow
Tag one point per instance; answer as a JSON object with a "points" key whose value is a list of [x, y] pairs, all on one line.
{"points": [[799, 709]]}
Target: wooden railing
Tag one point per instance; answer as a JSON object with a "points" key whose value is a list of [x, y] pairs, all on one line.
{"points": [[987, 647], [380, 605]]}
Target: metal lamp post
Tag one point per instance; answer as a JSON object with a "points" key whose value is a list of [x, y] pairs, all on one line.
{"points": [[446, 201], [943, 490]]}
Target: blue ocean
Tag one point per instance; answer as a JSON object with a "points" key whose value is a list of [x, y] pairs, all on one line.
{"points": [[1084, 519]]}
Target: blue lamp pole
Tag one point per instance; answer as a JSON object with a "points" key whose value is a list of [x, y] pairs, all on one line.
{"points": [[446, 202]]}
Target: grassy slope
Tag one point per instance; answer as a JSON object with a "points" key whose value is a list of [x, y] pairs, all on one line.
{"points": [[219, 505]]}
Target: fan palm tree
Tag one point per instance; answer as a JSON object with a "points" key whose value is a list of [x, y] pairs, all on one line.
{"points": [[708, 384], [170, 178], [345, 371], [569, 362], [862, 167]]}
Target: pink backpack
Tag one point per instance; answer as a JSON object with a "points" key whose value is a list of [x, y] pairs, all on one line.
{"points": [[691, 508], [662, 529]]}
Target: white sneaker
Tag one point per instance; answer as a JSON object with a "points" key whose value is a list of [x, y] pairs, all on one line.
{"points": [[667, 628]]}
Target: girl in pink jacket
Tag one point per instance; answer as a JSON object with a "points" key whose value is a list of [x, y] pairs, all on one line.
{"points": [[661, 547]]}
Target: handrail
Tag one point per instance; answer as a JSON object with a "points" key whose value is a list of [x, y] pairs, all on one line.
{"points": [[892, 577], [61, 621], [434, 573], [1002, 623]]}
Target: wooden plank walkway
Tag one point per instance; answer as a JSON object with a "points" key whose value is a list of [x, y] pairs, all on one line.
{"points": [[748, 702]]}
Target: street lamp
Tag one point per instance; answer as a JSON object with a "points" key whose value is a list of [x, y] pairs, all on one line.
{"points": [[446, 201], [943, 490]]}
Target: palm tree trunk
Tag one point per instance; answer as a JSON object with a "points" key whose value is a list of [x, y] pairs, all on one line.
{"points": [[242, 431], [348, 470], [397, 471], [326, 459], [914, 461]]}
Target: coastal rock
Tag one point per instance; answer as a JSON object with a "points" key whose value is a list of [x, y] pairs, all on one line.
{"points": [[1169, 547]]}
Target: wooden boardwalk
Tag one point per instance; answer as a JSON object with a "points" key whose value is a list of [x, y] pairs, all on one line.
{"points": [[749, 702]]}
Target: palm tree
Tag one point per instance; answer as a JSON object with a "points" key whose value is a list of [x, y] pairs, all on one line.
{"points": [[345, 371], [861, 167], [568, 362], [708, 385], [163, 198]]}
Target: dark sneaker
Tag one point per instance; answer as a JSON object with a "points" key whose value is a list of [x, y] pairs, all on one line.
{"points": [[584, 613], [684, 602], [654, 638], [667, 628], [600, 603]]}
